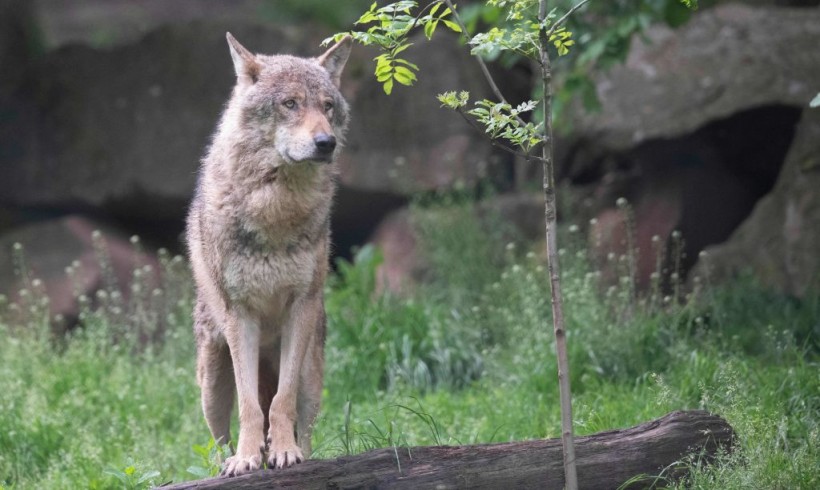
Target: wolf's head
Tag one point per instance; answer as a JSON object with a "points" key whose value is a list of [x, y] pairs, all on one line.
{"points": [[291, 104]]}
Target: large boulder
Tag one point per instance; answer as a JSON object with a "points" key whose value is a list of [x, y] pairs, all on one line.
{"points": [[19, 42], [725, 60], [780, 241], [34, 260], [108, 23], [123, 130], [694, 129]]}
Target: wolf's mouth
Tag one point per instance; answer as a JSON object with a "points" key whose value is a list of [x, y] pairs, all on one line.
{"points": [[319, 159]]}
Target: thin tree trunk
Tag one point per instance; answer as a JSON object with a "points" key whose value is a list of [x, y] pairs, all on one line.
{"points": [[550, 221], [607, 460]]}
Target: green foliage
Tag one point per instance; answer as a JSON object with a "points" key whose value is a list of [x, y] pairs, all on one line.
{"points": [[454, 101], [515, 30], [465, 359], [521, 33], [96, 408], [392, 25], [632, 360], [406, 342], [131, 479], [501, 120], [211, 457], [815, 102]]}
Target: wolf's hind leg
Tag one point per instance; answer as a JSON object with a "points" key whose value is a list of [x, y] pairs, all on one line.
{"points": [[309, 398], [216, 380]]}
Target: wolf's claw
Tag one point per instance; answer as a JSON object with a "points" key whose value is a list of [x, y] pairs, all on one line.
{"points": [[237, 465], [285, 457]]}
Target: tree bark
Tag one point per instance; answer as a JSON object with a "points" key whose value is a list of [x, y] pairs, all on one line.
{"points": [[605, 460]]}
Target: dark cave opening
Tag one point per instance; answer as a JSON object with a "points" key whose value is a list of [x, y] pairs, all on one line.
{"points": [[703, 184]]}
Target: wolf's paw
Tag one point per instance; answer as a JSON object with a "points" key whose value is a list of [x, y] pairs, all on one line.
{"points": [[284, 455], [239, 465]]}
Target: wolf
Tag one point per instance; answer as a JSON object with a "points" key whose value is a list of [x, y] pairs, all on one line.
{"points": [[258, 237]]}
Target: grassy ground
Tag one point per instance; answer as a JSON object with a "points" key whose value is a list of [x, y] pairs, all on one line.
{"points": [[468, 359]]}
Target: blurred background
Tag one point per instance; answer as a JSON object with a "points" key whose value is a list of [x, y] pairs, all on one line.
{"points": [[688, 170], [704, 128]]}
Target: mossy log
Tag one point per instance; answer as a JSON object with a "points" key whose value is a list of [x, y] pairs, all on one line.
{"points": [[605, 461]]}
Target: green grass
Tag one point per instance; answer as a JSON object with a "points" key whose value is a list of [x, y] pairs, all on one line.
{"points": [[469, 358]]}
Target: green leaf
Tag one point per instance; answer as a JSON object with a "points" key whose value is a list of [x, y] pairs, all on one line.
{"points": [[815, 102], [119, 475], [403, 79], [401, 48], [452, 25], [388, 86], [198, 472], [428, 29], [405, 62], [148, 476], [404, 76], [383, 68]]}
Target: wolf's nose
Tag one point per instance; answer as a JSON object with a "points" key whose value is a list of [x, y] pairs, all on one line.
{"points": [[325, 143]]}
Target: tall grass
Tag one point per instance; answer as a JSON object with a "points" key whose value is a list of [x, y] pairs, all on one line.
{"points": [[469, 358]]}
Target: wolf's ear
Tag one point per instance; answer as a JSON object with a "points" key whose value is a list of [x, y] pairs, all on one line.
{"points": [[335, 58], [244, 62]]}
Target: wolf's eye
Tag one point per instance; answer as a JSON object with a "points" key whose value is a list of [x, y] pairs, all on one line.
{"points": [[328, 106], [290, 103]]}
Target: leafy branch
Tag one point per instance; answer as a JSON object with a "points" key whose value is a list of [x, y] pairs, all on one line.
{"points": [[392, 25]]}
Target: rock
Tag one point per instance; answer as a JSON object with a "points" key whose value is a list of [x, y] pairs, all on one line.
{"points": [[513, 216], [108, 23], [357, 214], [724, 60], [402, 267], [122, 131], [703, 185], [516, 216], [694, 129], [19, 43], [780, 242], [49, 247], [407, 142]]}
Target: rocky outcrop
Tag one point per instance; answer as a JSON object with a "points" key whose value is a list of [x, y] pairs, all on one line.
{"points": [[122, 131], [63, 259], [725, 60], [694, 129], [780, 241]]}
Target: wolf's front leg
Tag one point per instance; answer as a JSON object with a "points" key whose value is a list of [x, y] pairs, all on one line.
{"points": [[296, 334], [243, 339]]}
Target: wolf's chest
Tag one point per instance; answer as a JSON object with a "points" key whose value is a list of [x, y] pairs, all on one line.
{"points": [[254, 271]]}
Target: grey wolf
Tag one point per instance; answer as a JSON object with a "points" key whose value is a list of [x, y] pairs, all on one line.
{"points": [[258, 236]]}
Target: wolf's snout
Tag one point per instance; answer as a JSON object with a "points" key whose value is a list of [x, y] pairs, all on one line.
{"points": [[325, 143]]}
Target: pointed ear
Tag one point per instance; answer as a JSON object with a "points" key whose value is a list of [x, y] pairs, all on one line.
{"points": [[244, 62], [335, 58]]}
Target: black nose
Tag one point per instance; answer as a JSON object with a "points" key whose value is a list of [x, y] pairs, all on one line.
{"points": [[325, 143]]}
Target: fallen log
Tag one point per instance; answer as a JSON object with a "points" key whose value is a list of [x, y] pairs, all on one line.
{"points": [[605, 460]]}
